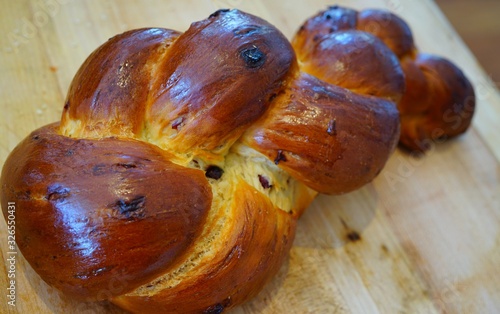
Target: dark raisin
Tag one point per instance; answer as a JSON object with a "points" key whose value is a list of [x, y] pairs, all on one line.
{"points": [[214, 172], [131, 208], [353, 236], [280, 157], [177, 122], [57, 193], [253, 57], [264, 182], [214, 309], [332, 127]]}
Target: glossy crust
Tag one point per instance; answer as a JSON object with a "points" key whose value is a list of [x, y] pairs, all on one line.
{"points": [[109, 93], [250, 251], [439, 104], [227, 92], [87, 215], [438, 101], [182, 162], [338, 141], [165, 86], [330, 48]]}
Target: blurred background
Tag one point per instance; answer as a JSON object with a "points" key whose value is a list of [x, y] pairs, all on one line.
{"points": [[478, 23]]}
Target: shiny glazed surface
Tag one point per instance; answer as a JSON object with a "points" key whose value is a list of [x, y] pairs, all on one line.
{"points": [[142, 181], [435, 99]]}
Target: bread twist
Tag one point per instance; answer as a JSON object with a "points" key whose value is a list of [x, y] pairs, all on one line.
{"points": [[182, 162], [438, 101]]}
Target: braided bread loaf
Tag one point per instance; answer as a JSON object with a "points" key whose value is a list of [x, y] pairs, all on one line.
{"points": [[182, 162], [438, 101]]}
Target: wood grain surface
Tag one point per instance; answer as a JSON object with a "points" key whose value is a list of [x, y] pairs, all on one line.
{"points": [[424, 237]]}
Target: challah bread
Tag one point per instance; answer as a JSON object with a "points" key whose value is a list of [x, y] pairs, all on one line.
{"points": [[182, 162], [332, 140], [438, 101]]}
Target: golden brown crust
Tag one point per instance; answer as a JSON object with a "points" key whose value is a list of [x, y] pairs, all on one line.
{"points": [[110, 196], [390, 28], [330, 48], [331, 139], [355, 60], [87, 216], [109, 93], [253, 246], [335, 19], [226, 92], [438, 101]]}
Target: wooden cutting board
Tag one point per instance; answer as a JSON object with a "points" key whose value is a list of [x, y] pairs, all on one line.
{"points": [[429, 228]]}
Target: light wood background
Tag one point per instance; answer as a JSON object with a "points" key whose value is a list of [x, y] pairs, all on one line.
{"points": [[429, 227]]}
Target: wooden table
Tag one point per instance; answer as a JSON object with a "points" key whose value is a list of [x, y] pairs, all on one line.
{"points": [[429, 228]]}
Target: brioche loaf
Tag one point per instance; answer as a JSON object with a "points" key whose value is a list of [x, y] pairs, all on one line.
{"points": [[174, 180], [438, 101]]}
